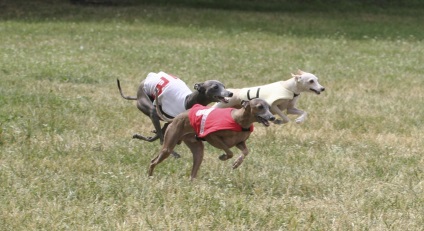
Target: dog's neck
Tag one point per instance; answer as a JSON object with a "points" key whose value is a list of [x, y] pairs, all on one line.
{"points": [[196, 98], [291, 85], [243, 117]]}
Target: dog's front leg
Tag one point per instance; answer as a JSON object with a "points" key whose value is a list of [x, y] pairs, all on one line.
{"points": [[295, 111], [244, 151], [217, 142], [276, 110]]}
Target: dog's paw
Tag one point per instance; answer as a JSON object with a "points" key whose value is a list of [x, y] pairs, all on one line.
{"points": [[137, 136], [224, 157], [140, 137], [176, 155], [299, 120], [238, 162], [145, 138]]}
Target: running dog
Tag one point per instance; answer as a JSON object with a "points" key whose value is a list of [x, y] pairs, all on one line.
{"points": [[223, 128], [282, 95], [175, 96]]}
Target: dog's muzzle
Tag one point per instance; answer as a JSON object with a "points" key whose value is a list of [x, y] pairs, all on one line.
{"points": [[224, 99], [318, 91], [221, 99], [264, 121]]}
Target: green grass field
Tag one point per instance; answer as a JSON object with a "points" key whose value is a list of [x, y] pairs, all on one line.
{"points": [[67, 160]]}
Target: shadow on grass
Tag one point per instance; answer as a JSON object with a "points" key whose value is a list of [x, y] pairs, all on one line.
{"points": [[266, 5], [382, 19]]}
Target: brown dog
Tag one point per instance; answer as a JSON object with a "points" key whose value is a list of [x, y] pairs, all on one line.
{"points": [[232, 128]]}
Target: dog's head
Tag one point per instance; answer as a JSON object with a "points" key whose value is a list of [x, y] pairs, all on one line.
{"points": [[307, 82], [213, 90], [260, 109]]}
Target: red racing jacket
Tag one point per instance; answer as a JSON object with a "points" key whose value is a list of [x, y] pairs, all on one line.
{"points": [[206, 120]]}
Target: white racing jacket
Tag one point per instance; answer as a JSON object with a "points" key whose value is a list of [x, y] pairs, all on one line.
{"points": [[270, 93], [172, 92]]}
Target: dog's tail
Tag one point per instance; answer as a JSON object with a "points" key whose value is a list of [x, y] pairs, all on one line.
{"points": [[158, 111], [122, 94]]}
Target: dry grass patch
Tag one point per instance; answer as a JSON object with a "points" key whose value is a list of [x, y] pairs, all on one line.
{"points": [[67, 160]]}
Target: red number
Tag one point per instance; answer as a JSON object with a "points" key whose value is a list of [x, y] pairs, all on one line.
{"points": [[162, 84]]}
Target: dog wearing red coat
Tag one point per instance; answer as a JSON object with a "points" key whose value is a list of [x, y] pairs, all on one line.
{"points": [[197, 125]]}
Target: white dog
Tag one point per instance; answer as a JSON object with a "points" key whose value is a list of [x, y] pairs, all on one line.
{"points": [[281, 95]]}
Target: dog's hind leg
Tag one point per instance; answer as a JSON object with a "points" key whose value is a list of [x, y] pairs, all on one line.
{"points": [[146, 138], [244, 152], [172, 137], [197, 149], [151, 139], [174, 154], [163, 154], [295, 111], [145, 105], [292, 110], [276, 110]]}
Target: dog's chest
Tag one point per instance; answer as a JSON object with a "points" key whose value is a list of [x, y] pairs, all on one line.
{"points": [[230, 138]]}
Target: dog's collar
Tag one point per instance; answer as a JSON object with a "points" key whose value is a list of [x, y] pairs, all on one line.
{"points": [[245, 129], [186, 102], [164, 113]]}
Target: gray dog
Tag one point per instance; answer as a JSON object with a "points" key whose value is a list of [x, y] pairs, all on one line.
{"points": [[175, 98]]}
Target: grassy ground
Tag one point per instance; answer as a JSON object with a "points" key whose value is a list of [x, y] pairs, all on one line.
{"points": [[68, 162]]}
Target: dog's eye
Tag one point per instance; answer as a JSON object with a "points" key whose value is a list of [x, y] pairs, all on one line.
{"points": [[215, 87], [260, 107], [311, 81]]}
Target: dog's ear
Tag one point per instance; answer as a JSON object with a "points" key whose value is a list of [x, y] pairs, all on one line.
{"points": [[199, 87], [300, 72], [245, 104], [296, 77]]}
